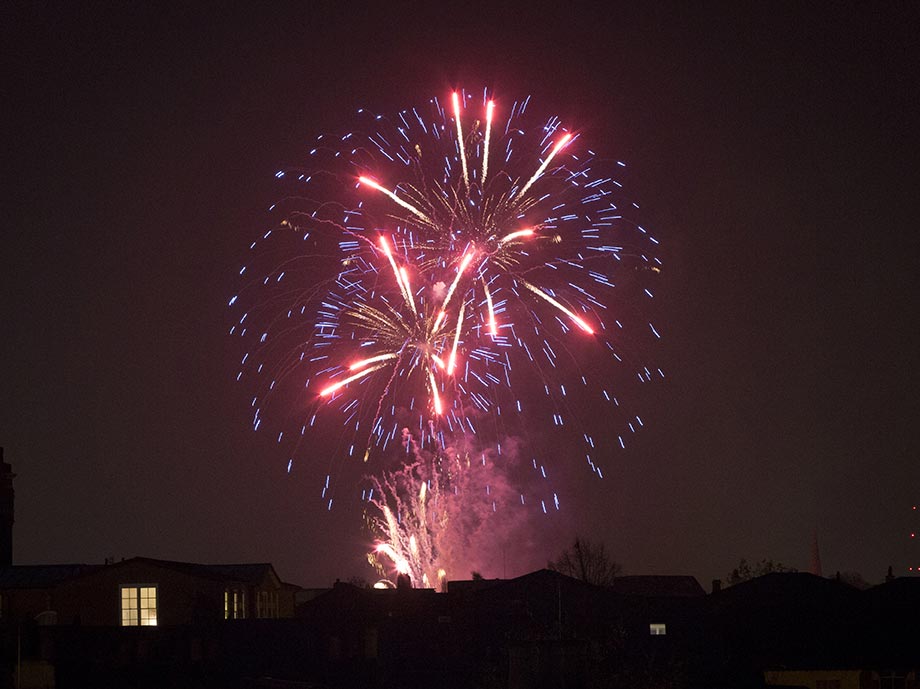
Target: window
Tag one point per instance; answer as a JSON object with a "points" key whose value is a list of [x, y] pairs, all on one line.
{"points": [[46, 617], [657, 629], [234, 604], [827, 684], [893, 680], [267, 605], [139, 605]]}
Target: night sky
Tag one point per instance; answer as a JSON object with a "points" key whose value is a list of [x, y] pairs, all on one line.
{"points": [[773, 154]]}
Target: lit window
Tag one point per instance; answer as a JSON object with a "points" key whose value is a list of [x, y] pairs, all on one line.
{"points": [[139, 605], [234, 604], [658, 629]]}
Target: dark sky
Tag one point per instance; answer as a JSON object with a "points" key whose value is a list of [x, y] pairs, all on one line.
{"points": [[773, 152]]}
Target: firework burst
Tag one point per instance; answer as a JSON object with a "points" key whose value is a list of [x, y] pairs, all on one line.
{"points": [[462, 269]]}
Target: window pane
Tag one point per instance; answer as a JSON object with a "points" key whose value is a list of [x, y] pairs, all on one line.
{"points": [[148, 607], [128, 606], [138, 605]]}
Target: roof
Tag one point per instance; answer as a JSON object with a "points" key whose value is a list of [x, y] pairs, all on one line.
{"points": [[637, 585], [542, 577], [902, 593], [786, 586], [543, 584], [345, 602], [471, 585], [40, 576], [657, 586], [48, 576], [795, 620], [253, 573]]}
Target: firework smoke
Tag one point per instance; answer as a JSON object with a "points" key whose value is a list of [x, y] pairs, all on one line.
{"points": [[443, 516]]}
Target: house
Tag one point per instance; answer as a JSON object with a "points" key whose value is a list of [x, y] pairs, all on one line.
{"points": [[802, 630], [144, 592], [543, 629], [138, 620], [137, 592], [27, 591]]}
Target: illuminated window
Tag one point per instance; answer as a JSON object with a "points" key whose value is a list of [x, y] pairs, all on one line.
{"points": [[234, 604], [139, 605], [658, 629]]}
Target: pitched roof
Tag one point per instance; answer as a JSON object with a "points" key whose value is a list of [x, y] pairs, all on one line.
{"points": [[47, 576], [40, 576], [657, 586], [787, 585], [252, 573], [345, 602], [636, 585]]}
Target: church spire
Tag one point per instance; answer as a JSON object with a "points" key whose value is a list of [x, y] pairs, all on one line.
{"points": [[815, 567]]}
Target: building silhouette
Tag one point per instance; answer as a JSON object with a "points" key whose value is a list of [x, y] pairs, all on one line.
{"points": [[7, 504], [151, 623]]}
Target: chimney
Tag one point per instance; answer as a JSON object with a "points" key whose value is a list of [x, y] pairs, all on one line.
{"points": [[6, 512]]}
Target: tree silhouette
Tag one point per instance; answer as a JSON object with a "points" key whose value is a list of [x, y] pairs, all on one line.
{"points": [[586, 561]]}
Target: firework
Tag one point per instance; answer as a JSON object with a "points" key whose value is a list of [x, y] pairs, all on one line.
{"points": [[410, 517], [440, 513], [466, 270]]}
